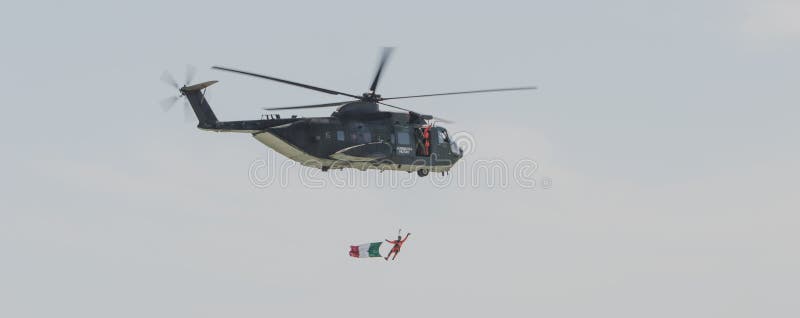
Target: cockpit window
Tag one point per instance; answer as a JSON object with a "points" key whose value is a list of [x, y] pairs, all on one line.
{"points": [[442, 136]]}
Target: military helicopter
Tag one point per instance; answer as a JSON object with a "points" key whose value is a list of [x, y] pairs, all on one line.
{"points": [[357, 135]]}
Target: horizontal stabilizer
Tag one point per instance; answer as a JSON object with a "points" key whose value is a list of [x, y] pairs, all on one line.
{"points": [[197, 87]]}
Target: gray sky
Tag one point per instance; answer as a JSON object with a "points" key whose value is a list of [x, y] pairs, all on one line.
{"points": [[668, 129]]}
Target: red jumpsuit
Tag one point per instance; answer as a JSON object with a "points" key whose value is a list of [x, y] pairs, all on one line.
{"points": [[426, 135], [396, 248]]}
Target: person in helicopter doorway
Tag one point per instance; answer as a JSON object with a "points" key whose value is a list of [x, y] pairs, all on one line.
{"points": [[423, 141], [397, 244]]}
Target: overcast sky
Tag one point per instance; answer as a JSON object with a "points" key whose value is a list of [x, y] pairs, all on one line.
{"points": [[664, 134]]}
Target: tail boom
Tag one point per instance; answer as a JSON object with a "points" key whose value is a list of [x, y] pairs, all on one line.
{"points": [[205, 116], [207, 120]]}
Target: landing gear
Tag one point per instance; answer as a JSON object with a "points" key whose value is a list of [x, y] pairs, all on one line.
{"points": [[423, 172], [325, 168]]}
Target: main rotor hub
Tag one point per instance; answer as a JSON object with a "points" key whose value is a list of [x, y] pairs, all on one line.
{"points": [[371, 97]]}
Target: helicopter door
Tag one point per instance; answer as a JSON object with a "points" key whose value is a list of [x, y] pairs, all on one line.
{"points": [[423, 135]]}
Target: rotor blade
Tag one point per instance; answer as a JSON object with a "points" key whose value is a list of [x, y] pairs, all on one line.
{"points": [[446, 121], [468, 92], [167, 78], [398, 107], [191, 71], [167, 103], [426, 117], [387, 52], [319, 89], [310, 106]]}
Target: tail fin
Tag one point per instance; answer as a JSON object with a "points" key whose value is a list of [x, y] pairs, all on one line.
{"points": [[202, 110]]}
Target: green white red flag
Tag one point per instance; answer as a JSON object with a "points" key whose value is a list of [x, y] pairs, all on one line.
{"points": [[366, 250]]}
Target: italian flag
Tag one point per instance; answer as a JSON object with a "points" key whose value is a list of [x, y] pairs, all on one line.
{"points": [[366, 250]]}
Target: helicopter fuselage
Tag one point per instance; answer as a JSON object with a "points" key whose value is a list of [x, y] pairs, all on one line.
{"points": [[356, 136], [384, 144]]}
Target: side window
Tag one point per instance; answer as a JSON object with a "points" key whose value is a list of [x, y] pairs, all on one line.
{"points": [[340, 135], [403, 138]]}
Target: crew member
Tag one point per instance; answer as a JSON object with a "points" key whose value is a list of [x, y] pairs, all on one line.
{"points": [[397, 244]]}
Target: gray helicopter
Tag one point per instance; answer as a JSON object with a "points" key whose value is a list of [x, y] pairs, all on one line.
{"points": [[357, 135]]}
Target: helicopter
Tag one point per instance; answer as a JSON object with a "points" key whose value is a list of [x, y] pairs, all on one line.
{"points": [[357, 135]]}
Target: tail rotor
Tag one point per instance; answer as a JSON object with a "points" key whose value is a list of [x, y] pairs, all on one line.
{"points": [[169, 102]]}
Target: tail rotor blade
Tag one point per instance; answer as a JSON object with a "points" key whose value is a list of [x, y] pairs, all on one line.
{"points": [[387, 52], [167, 78], [167, 103], [191, 71], [187, 111]]}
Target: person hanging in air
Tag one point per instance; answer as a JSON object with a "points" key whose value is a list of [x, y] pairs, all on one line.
{"points": [[397, 244]]}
